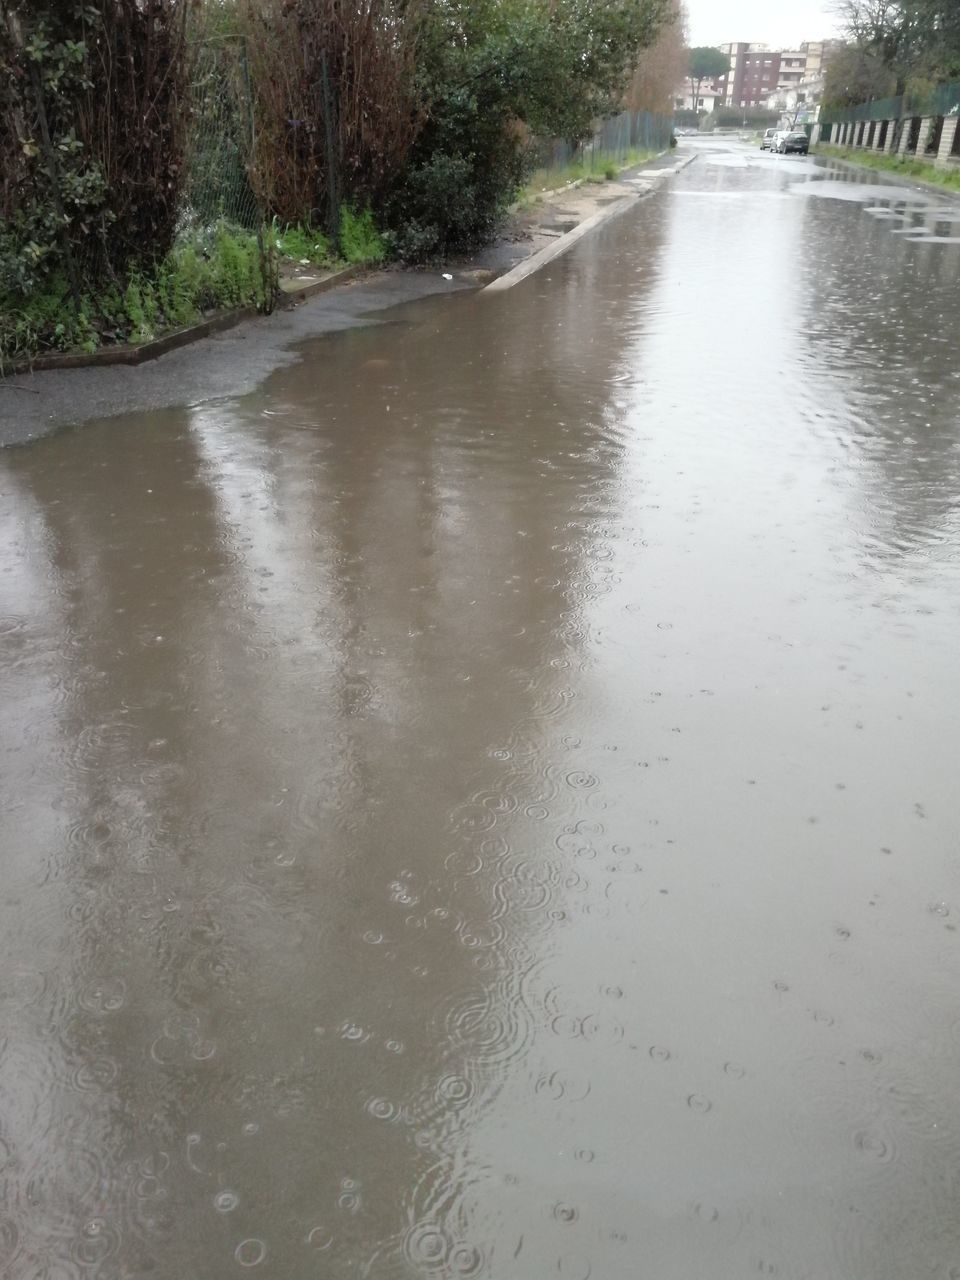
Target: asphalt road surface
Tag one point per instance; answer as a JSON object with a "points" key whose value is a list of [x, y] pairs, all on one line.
{"points": [[481, 799]]}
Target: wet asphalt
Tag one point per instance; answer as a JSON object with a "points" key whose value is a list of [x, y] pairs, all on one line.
{"points": [[479, 787]]}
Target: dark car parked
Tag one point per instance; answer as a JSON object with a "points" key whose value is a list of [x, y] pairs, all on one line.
{"points": [[796, 142]]}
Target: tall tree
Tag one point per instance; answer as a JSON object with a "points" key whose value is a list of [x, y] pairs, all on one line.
{"points": [[705, 63], [912, 38], [855, 75], [660, 69]]}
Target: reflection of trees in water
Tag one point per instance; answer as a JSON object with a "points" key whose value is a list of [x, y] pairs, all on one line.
{"points": [[126, 550], [308, 698], [878, 313]]}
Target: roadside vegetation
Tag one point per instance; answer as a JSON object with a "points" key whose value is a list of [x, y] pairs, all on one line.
{"points": [[705, 63], [905, 167], [361, 244], [219, 270], [894, 47], [599, 166], [160, 159], [900, 62]]}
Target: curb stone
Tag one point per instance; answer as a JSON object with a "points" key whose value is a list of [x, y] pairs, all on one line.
{"points": [[554, 250]]}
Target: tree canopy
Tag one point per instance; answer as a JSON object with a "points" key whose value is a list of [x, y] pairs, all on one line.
{"points": [[706, 63], [855, 75], [911, 38]]}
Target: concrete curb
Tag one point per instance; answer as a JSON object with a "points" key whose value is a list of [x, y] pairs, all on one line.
{"points": [[558, 247], [126, 353], [129, 354], [552, 251]]}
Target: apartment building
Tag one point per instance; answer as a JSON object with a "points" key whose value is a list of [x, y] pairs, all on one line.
{"points": [[818, 54], [753, 75], [757, 71]]}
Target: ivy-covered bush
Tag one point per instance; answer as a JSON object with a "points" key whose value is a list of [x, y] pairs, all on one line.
{"points": [[92, 124]]}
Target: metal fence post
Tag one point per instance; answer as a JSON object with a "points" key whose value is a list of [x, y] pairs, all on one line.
{"points": [[266, 274], [333, 195]]}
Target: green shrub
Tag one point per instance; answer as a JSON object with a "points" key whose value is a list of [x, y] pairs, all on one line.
{"points": [[303, 244], [453, 201], [360, 241], [210, 270], [140, 330], [495, 75]]}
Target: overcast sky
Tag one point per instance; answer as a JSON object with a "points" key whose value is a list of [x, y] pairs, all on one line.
{"points": [[781, 23]]}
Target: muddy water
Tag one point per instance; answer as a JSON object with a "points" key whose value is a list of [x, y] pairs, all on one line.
{"points": [[486, 803]]}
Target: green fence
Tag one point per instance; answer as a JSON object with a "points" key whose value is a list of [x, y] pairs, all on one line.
{"points": [[616, 142], [944, 100]]}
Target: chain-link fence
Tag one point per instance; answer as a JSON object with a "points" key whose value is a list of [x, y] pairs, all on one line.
{"points": [[217, 189], [621, 140]]}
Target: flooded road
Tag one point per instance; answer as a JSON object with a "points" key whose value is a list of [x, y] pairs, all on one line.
{"points": [[485, 804]]}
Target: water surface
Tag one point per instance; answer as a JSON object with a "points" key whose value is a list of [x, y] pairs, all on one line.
{"points": [[485, 803]]}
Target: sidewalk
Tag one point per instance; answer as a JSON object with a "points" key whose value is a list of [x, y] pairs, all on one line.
{"points": [[554, 215], [231, 358]]}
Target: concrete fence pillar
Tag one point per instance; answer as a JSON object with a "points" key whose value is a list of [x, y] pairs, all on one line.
{"points": [[891, 136], [905, 126], [926, 128], [880, 139], [947, 137], [815, 135]]}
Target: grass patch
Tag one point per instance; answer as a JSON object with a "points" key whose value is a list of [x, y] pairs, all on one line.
{"points": [[360, 241], [303, 245], [598, 166], [906, 166], [213, 270]]}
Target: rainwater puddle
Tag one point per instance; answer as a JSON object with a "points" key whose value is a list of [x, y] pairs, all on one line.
{"points": [[861, 192], [484, 803]]}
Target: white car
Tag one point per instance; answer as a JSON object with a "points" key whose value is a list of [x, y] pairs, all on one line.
{"points": [[766, 142]]}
